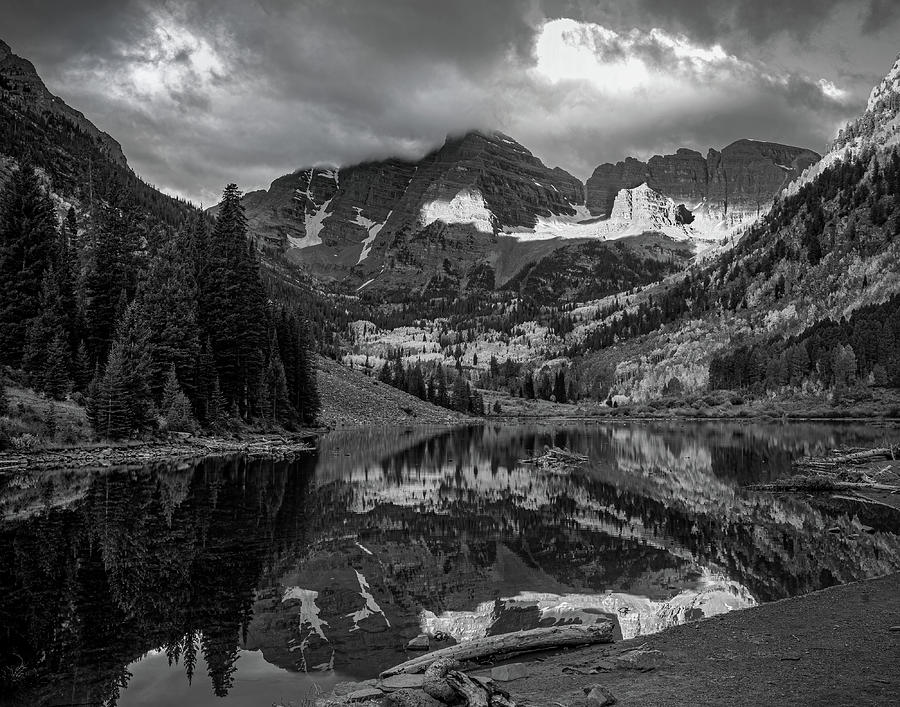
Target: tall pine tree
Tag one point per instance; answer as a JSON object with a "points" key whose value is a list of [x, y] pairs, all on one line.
{"points": [[27, 237], [166, 302], [233, 305]]}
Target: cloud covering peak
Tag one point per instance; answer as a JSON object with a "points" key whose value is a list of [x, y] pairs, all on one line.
{"points": [[207, 92]]}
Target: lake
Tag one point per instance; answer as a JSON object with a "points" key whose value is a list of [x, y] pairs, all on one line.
{"points": [[238, 582]]}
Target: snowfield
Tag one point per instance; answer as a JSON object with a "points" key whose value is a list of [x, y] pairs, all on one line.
{"points": [[466, 207]]}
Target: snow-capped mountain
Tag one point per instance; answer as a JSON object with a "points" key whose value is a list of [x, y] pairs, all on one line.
{"points": [[477, 211], [723, 191]]}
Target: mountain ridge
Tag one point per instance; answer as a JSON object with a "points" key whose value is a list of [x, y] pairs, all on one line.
{"points": [[21, 83], [367, 226]]}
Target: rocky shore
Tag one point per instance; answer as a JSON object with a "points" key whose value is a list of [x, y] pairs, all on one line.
{"points": [[175, 447]]}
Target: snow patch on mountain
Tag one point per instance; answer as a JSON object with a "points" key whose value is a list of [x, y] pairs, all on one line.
{"points": [[374, 228], [309, 612], [371, 607], [314, 225], [635, 211], [638, 615], [466, 207]]}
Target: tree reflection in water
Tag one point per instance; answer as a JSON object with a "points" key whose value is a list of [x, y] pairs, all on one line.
{"points": [[336, 559]]}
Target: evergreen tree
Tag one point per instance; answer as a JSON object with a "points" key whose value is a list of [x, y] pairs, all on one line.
{"points": [[296, 348], [110, 280], [176, 407], [27, 237], [385, 373], [844, 367], [56, 381], [459, 395], [121, 401], [50, 422], [166, 298], [440, 389], [529, 386], [82, 369], [109, 410], [275, 395], [233, 305], [559, 387], [417, 382], [217, 406], [47, 336]]}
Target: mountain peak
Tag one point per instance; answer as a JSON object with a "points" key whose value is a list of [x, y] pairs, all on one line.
{"points": [[480, 137], [5, 51], [889, 85]]}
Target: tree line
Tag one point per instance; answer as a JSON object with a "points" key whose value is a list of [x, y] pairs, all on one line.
{"points": [[149, 325], [432, 384], [836, 354]]}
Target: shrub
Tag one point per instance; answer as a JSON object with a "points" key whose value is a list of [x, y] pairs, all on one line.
{"points": [[25, 442]]}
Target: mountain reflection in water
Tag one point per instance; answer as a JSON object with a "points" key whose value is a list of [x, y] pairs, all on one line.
{"points": [[232, 578]]}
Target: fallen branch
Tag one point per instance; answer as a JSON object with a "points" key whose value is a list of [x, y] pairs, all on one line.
{"points": [[536, 639]]}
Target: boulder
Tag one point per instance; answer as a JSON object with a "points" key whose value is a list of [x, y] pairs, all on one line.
{"points": [[419, 643], [511, 671], [367, 694], [642, 659], [403, 681], [410, 698], [598, 695]]}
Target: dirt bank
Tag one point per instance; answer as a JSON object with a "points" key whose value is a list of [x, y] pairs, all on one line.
{"points": [[833, 647]]}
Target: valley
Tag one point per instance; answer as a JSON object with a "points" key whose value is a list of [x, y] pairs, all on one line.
{"points": [[264, 450]]}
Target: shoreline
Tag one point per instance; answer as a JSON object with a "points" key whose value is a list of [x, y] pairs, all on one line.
{"points": [[173, 449], [182, 446]]}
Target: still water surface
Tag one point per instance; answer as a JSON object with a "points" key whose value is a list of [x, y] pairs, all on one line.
{"points": [[236, 582]]}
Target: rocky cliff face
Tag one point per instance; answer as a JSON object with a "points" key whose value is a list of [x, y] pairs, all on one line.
{"points": [[723, 189], [466, 216], [20, 84], [880, 123]]}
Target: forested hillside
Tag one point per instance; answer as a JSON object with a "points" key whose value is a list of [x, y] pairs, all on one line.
{"points": [[152, 327], [827, 252]]}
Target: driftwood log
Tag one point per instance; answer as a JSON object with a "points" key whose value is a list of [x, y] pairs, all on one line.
{"points": [[473, 692], [862, 457], [816, 483], [536, 639], [556, 455]]}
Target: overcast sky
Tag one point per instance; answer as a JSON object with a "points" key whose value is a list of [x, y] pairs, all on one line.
{"points": [[202, 93]]}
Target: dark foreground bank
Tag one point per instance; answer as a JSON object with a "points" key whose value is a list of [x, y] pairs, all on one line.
{"points": [[839, 646]]}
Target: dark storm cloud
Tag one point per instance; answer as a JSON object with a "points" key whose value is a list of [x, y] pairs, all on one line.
{"points": [[718, 20], [880, 16], [201, 93]]}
